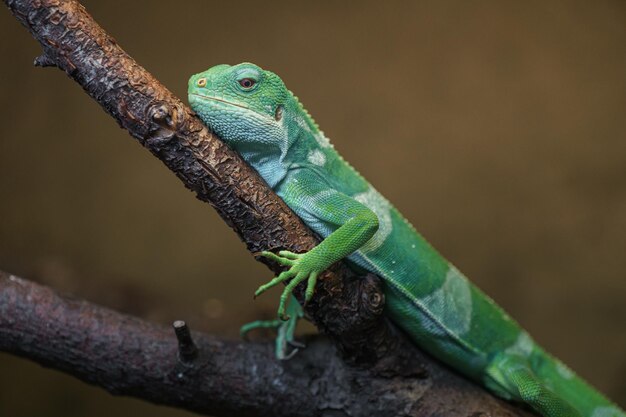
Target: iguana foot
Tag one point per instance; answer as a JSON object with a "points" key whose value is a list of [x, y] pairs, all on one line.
{"points": [[301, 267], [286, 331]]}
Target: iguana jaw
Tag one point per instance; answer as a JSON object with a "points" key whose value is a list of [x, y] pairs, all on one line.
{"points": [[220, 100]]}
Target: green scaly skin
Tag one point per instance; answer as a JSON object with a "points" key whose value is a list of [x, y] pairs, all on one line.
{"points": [[253, 111]]}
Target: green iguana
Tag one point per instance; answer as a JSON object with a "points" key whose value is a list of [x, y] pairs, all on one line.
{"points": [[442, 312]]}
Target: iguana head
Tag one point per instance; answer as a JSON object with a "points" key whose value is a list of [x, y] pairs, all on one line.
{"points": [[244, 104], [253, 111]]}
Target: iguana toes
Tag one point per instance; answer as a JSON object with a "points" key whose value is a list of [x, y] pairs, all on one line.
{"points": [[253, 111]]}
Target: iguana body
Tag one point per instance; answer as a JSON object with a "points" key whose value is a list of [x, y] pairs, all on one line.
{"points": [[253, 111]]}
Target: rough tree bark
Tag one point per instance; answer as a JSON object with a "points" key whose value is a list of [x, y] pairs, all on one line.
{"points": [[137, 358], [129, 356]]}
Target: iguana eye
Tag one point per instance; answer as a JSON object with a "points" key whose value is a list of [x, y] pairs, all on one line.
{"points": [[247, 83], [201, 82]]}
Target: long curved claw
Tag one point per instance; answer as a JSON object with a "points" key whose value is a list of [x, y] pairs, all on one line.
{"points": [[296, 344], [286, 293], [289, 255], [289, 355], [277, 280], [286, 333], [258, 324], [282, 260], [310, 287]]}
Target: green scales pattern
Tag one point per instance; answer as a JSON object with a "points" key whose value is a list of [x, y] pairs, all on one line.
{"points": [[253, 111]]}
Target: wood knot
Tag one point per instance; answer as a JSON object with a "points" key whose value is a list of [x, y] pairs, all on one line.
{"points": [[372, 294], [376, 300], [165, 123], [161, 113]]}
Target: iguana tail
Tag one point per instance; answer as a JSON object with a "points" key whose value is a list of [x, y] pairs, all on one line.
{"points": [[571, 388], [547, 385]]}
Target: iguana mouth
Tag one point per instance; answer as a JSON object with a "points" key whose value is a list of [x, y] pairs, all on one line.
{"points": [[220, 100]]}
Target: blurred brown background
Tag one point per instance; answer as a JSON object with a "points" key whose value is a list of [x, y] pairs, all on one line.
{"points": [[498, 128]]}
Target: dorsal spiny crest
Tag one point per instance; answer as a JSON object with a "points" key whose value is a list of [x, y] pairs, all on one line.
{"points": [[305, 112]]}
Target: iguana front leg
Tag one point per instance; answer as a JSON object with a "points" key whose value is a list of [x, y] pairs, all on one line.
{"points": [[353, 224]]}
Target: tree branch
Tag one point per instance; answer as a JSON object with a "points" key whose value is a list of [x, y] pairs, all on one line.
{"points": [[129, 356], [126, 355], [344, 306]]}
